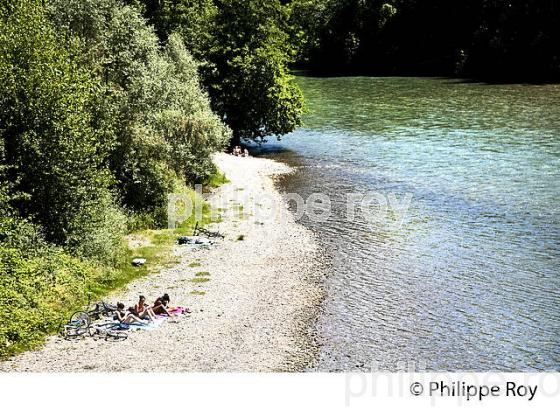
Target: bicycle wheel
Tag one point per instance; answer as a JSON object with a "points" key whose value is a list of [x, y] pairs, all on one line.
{"points": [[108, 309], [71, 332], [80, 319]]}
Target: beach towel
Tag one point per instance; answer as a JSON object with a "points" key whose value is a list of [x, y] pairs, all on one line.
{"points": [[177, 310], [151, 325], [174, 311]]}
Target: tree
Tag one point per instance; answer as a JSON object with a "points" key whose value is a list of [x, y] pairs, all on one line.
{"points": [[489, 39], [248, 78], [244, 53], [164, 127], [516, 40], [53, 152]]}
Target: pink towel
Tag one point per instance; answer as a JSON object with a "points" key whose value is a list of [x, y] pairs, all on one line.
{"points": [[174, 311], [177, 310]]}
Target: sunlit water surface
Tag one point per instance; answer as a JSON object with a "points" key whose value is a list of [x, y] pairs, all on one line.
{"points": [[471, 280]]}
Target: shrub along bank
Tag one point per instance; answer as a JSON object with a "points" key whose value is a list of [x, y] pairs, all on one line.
{"points": [[99, 122]]}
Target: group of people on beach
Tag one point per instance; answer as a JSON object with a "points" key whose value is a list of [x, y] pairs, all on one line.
{"points": [[142, 312], [240, 152]]}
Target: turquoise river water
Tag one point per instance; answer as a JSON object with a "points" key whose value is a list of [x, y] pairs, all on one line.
{"points": [[470, 279]]}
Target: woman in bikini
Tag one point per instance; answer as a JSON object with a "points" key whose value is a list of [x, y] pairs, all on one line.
{"points": [[142, 310], [126, 317], [161, 307]]}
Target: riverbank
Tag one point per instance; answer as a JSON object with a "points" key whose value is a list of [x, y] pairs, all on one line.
{"points": [[254, 296]]}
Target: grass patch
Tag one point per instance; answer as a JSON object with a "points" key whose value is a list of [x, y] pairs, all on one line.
{"points": [[238, 208], [39, 292], [158, 251], [213, 181], [194, 264], [198, 292], [202, 274]]}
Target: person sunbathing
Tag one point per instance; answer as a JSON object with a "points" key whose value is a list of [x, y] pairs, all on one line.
{"points": [[126, 317], [161, 307], [142, 310]]}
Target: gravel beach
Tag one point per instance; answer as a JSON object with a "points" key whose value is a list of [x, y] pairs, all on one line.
{"points": [[255, 313]]}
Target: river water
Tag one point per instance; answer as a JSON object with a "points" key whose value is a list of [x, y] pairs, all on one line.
{"points": [[463, 273]]}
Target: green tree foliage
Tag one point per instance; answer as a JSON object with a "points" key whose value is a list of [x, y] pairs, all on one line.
{"points": [[192, 19], [307, 20], [53, 171], [249, 80], [520, 38], [162, 119], [244, 49], [92, 111], [53, 154], [492, 39]]}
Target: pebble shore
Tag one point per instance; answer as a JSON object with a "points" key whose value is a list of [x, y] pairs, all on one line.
{"points": [[255, 313]]}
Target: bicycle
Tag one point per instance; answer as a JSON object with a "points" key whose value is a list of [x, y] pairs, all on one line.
{"points": [[209, 234], [110, 331], [81, 320]]}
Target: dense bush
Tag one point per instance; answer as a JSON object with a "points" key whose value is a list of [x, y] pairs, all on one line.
{"points": [[244, 50], [163, 122], [37, 292], [53, 151], [98, 123], [39, 283]]}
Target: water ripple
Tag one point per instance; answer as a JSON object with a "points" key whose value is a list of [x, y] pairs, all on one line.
{"points": [[471, 280]]}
